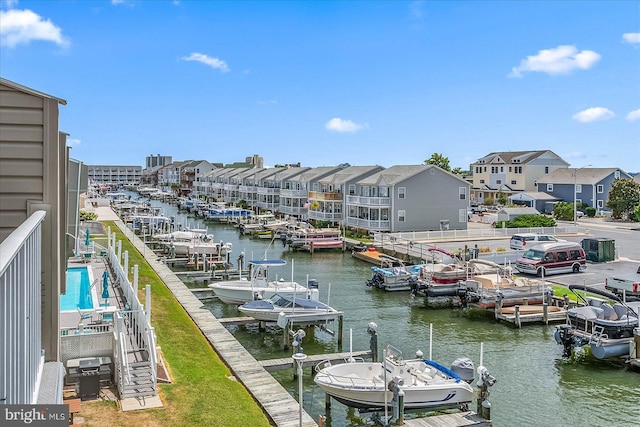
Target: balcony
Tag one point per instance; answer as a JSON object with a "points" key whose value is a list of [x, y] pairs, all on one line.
{"points": [[369, 201], [291, 210], [320, 196], [371, 225], [267, 191], [325, 216], [293, 193]]}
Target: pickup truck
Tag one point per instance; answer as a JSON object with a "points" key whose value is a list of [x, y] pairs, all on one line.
{"points": [[624, 283]]}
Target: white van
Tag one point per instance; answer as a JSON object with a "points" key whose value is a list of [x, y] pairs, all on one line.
{"points": [[552, 258], [524, 240]]}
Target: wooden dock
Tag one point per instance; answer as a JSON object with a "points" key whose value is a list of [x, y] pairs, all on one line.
{"points": [[457, 419], [536, 313], [278, 404]]}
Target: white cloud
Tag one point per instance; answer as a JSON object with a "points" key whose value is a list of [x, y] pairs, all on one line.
{"points": [[269, 102], [23, 26], [341, 125], [631, 38], [633, 115], [594, 114], [73, 142], [559, 60], [216, 63], [8, 3]]}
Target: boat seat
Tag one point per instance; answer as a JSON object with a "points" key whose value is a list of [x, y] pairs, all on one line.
{"points": [[608, 312], [620, 310]]}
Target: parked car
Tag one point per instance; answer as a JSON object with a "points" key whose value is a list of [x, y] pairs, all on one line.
{"points": [[549, 258], [579, 214], [523, 240], [478, 209]]}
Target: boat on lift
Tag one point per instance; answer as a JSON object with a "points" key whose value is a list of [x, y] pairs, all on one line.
{"points": [[258, 285], [425, 383]]}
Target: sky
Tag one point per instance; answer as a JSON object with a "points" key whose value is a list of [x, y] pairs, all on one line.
{"points": [[330, 82]]}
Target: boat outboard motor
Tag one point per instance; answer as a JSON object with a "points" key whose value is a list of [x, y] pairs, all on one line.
{"points": [[413, 284], [312, 284], [564, 336], [463, 366]]}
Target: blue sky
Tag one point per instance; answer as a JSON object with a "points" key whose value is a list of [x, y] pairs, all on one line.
{"points": [[323, 83]]}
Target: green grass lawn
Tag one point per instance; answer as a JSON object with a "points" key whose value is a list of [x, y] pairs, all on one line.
{"points": [[203, 392]]}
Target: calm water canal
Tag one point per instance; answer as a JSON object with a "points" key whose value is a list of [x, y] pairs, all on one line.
{"points": [[535, 386]]}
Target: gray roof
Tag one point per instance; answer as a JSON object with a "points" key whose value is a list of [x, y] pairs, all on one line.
{"points": [[525, 210], [533, 195], [584, 175], [28, 90], [522, 157], [394, 174], [347, 174], [312, 173]]}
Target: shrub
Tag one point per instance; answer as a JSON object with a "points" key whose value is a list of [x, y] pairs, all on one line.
{"points": [[87, 215], [590, 212]]}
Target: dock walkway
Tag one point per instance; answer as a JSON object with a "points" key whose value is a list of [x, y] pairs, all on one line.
{"points": [[280, 406]]}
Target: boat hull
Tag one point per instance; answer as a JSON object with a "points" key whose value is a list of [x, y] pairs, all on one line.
{"points": [[242, 291]]}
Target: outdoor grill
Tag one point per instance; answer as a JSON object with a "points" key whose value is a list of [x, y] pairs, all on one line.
{"points": [[89, 378]]}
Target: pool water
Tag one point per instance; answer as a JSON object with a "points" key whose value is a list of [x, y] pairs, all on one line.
{"points": [[79, 292]]}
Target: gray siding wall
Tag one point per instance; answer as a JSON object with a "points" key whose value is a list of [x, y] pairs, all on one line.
{"points": [[431, 196], [32, 177]]}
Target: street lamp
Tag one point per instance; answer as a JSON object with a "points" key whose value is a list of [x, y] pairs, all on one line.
{"points": [[575, 195], [299, 359]]}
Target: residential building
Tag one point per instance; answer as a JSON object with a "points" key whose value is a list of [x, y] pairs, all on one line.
{"points": [[294, 189], [509, 172], [152, 165], [115, 175], [328, 201], [589, 185], [192, 174], [33, 223], [268, 184], [409, 198]]}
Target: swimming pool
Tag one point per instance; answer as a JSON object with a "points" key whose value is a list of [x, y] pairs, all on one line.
{"points": [[79, 294]]}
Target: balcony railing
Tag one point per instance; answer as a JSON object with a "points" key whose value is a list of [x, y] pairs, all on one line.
{"points": [[371, 225], [21, 356], [293, 193], [326, 216], [369, 201], [320, 196]]}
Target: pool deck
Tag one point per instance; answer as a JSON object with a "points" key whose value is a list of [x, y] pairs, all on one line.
{"points": [[71, 319]]}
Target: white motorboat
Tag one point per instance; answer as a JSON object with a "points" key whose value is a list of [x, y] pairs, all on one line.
{"points": [[257, 286], [371, 385], [300, 309]]}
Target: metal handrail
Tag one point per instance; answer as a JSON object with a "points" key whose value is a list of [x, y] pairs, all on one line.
{"points": [[16, 240]]}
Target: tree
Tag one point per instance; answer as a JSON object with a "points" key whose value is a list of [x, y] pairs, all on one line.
{"points": [[439, 160], [624, 197], [563, 211]]}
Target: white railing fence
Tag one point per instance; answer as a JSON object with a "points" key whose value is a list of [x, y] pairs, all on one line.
{"points": [[21, 354], [132, 324]]}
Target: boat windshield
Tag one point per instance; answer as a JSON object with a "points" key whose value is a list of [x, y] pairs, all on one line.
{"points": [[278, 301], [533, 255]]}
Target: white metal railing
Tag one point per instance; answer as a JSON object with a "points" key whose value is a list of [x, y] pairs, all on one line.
{"points": [[21, 356], [139, 329]]}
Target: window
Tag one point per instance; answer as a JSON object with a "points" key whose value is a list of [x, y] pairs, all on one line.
{"points": [[509, 168], [600, 188], [514, 182], [562, 256], [546, 169], [402, 193], [498, 181], [352, 189], [578, 188], [600, 204], [402, 215], [574, 254], [462, 193], [482, 181], [616, 174], [549, 187], [501, 168], [463, 216]]}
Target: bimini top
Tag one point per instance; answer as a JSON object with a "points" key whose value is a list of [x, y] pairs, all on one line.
{"points": [[269, 262]]}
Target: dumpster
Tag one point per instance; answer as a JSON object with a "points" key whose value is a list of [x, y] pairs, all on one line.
{"points": [[599, 249]]}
